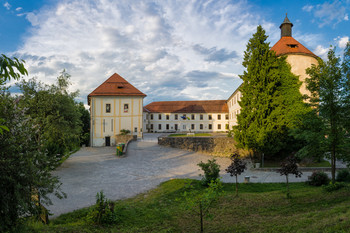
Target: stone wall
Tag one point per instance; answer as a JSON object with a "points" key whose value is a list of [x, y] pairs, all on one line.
{"points": [[217, 146], [124, 138]]}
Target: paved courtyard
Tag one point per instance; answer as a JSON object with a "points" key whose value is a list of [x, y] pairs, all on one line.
{"points": [[145, 166]]}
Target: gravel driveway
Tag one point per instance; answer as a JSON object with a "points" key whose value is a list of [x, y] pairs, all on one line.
{"points": [[145, 165]]}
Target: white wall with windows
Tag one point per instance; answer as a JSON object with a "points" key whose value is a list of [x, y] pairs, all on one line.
{"points": [[233, 108], [185, 122]]}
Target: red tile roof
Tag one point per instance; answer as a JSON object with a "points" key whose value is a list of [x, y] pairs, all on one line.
{"points": [[200, 106], [289, 45], [116, 86]]}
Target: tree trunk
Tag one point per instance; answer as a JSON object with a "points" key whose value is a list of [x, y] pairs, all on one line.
{"points": [[333, 160], [201, 215], [236, 186]]}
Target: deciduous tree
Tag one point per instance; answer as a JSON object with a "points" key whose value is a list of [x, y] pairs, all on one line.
{"points": [[236, 168]]}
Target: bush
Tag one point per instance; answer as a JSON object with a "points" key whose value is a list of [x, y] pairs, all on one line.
{"points": [[103, 212], [211, 171], [343, 176], [334, 186], [318, 178], [124, 132]]}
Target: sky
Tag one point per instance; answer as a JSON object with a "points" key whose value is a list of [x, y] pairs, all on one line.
{"points": [[168, 49]]}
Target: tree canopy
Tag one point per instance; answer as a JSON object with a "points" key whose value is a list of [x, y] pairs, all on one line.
{"points": [[270, 101]]}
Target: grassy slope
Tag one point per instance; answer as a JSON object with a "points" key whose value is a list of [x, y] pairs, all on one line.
{"points": [[258, 208]]}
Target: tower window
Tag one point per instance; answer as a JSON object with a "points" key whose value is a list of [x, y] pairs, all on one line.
{"points": [[292, 45]]}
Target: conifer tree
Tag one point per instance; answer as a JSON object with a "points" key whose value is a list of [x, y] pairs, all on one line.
{"points": [[270, 100]]}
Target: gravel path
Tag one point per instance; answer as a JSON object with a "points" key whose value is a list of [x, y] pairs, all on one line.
{"points": [[145, 166]]}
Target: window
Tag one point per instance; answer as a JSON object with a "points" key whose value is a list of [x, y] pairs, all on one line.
{"points": [[192, 116], [126, 107], [151, 116], [201, 126], [210, 126], [175, 126], [135, 129], [219, 116], [227, 126], [226, 116], [159, 126], [192, 126], [108, 107], [159, 116], [112, 125], [152, 126], [209, 117], [201, 117], [219, 126], [167, 117], [184, 127], [104, 125], [167, 126], [175, 116]]}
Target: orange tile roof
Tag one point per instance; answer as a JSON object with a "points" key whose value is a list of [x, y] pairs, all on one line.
{"points": [[289, 45], [199, 106], [116, 86]]}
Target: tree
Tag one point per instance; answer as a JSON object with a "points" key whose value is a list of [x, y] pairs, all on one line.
{"points": [[270, 100], [201, 201], [211, 171], [55, 112], [25, 167], [329, 85], [85, 120], [236, 167], [289, 166]]}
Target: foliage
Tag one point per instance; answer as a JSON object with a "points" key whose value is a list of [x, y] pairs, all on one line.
{"points": [[162, 210], [85, 120], [11, 68], [331, 187], [211, 171], [343, 176], [326, 131], [55, 113], [236, 167], [318, 178], [25, 168], [124, 132], [200, 202], [289, 166], [271, 101], [103, 212]]}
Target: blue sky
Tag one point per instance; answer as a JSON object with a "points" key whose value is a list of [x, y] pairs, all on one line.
{"points": [[170, 50]]}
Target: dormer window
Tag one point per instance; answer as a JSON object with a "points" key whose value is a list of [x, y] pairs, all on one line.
{"points": [[120, 87], [292, 46]]}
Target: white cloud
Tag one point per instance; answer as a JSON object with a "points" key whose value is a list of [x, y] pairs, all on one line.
{"points": [[321, 52], [7, 5], [307, 8], [346, 17], [149, 43], [19, 8], [343, 41]]}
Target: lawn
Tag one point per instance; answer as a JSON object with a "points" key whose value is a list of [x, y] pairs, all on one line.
{"points": [[258, 208], [195, 135]]}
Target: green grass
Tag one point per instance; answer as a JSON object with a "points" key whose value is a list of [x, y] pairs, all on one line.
{"points": [[195, 135], [258, 208]]}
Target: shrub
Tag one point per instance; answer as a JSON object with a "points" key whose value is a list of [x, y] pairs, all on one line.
{"points": [[334, 186], [103, 212], [124, 132], [343, 176], [318, 178], [211, 171]]}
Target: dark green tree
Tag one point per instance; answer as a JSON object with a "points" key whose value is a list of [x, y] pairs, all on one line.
{"points": [[329, 85], [85, 120], [55, 112], [271, 100]]}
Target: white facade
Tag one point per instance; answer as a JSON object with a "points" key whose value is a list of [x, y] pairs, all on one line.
{"points": [[110, 114], [195, 122], [233, 107]]}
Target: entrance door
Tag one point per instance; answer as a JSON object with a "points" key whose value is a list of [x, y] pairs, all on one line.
{"points": [[108, 141]]}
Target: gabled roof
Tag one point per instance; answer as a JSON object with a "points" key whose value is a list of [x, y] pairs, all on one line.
{"points": [[289, 45], [200, 106], [116, 86]]}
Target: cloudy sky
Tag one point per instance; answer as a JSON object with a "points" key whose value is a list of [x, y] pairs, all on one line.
{"points": [[168, 49]]}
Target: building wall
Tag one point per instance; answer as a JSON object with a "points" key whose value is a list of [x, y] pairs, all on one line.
{"points": [[164, 124], [109, 123], [233, 108], [299, 63]]}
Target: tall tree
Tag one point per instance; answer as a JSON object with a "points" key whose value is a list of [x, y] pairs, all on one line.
{"points": [[54, 110], [329, 85], [270, 101]]}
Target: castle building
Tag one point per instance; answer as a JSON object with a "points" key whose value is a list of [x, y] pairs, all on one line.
{"points": [[114, 106], [298, 57]]}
